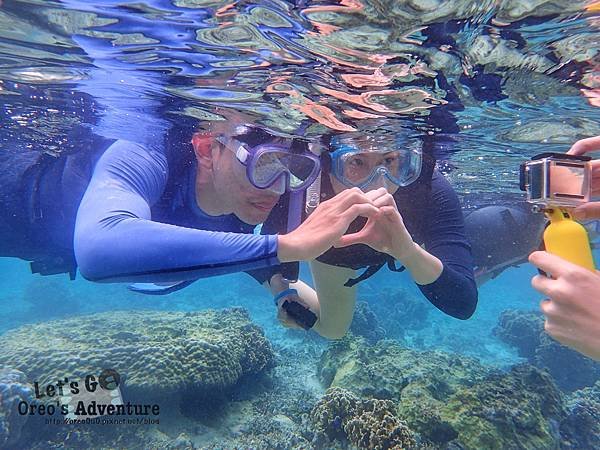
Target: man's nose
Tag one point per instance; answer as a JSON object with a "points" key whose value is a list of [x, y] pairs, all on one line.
{"points": [[278, 187]]}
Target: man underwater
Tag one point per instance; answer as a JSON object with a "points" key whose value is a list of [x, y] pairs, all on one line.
{"points": [[167, 214]]}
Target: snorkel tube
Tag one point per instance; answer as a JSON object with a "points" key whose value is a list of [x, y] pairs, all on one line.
{"points": [[313, 193]]}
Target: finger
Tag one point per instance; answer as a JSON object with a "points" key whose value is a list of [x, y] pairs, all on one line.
{"points": [[585, 145], [390, 212], [587, 211], [550, 263], [390, 218], [349, 197], [553, 311], [361, 209], [351, 239], [343, 196], [376, 193], [543, 285], [595, 177], [385, 200], [558, 332]]}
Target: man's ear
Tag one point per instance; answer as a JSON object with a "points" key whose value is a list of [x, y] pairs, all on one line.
{"points": [[202, 143]]}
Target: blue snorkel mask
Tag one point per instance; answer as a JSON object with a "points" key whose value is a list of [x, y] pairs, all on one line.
{"points": [[371, 161]]}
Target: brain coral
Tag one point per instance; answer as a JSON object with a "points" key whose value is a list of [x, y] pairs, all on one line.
{"points": [[366, 423], [13, 389], [155, 352]]}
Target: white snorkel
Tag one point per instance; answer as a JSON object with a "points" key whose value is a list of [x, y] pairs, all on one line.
{"points": [[313, 192]]}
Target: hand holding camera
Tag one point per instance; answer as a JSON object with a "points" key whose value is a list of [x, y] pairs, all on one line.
{"points": [[589, 210], [557, 184], [564, 185]]}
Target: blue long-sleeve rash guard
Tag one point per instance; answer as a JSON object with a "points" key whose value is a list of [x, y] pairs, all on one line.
{"points": [[131, 226]]}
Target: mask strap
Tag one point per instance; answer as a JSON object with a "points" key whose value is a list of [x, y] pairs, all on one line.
{"points": [[369, 272]]}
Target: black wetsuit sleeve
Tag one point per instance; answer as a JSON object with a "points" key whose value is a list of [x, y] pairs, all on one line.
{"points": [[455, 291]]}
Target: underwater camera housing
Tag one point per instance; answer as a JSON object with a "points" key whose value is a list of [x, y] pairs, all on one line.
{"points": [[557, 180]]}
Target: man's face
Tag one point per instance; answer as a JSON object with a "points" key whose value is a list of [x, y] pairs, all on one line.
{"points": [[250, 204]]}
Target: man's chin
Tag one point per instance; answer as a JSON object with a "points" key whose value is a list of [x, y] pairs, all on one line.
{"points": [[254, 217]]}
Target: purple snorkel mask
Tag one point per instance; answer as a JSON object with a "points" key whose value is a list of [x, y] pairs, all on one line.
{"points": [[277, 167]]}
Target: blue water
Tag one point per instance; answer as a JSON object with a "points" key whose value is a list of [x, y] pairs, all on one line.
{"points": [[512, 79]]}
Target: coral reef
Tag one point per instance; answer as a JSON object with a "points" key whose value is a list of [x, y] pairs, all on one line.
{"points": [[521, 330], [90, 436], [364, 323], [581, 428], [386, 369], [445, 399], [157, 353], [515, 410], [265, 433], [266, 411], [367, 424], [419, 382], [397, 311], [13, 389], [525, 331], [570, 369]]}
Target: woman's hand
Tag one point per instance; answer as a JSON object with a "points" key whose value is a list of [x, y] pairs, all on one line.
{"points": [[278, 285], [288, 320], [572, 309], [385, 231], [325, 226]]}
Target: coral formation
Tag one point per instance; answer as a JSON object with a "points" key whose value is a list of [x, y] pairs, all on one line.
{"points": [[418, 382], [13, 389], [157, 353], [520, 329], [581, 428], [364, 323], [525, 330], [446, 399], [519, 409], [398, 311], [385, 369], [367, 424], [570, 369]]}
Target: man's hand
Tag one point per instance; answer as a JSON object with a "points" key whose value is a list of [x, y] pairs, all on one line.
{"points": [[325, 226], [572, 308]]}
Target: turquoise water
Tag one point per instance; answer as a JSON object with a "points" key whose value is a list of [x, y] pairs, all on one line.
{"points": [[508, 80]]}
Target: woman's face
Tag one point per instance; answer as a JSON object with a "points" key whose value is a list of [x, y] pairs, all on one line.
{"points": [[360, 166]]}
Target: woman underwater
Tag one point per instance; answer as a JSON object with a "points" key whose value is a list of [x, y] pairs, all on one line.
{"points": [[420, 228]]}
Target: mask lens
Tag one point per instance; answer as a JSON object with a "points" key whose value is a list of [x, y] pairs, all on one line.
{"points": [[272, 164], [400, 166]]}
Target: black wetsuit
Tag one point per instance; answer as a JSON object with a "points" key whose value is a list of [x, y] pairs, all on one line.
{"points": [[433, 216]]}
